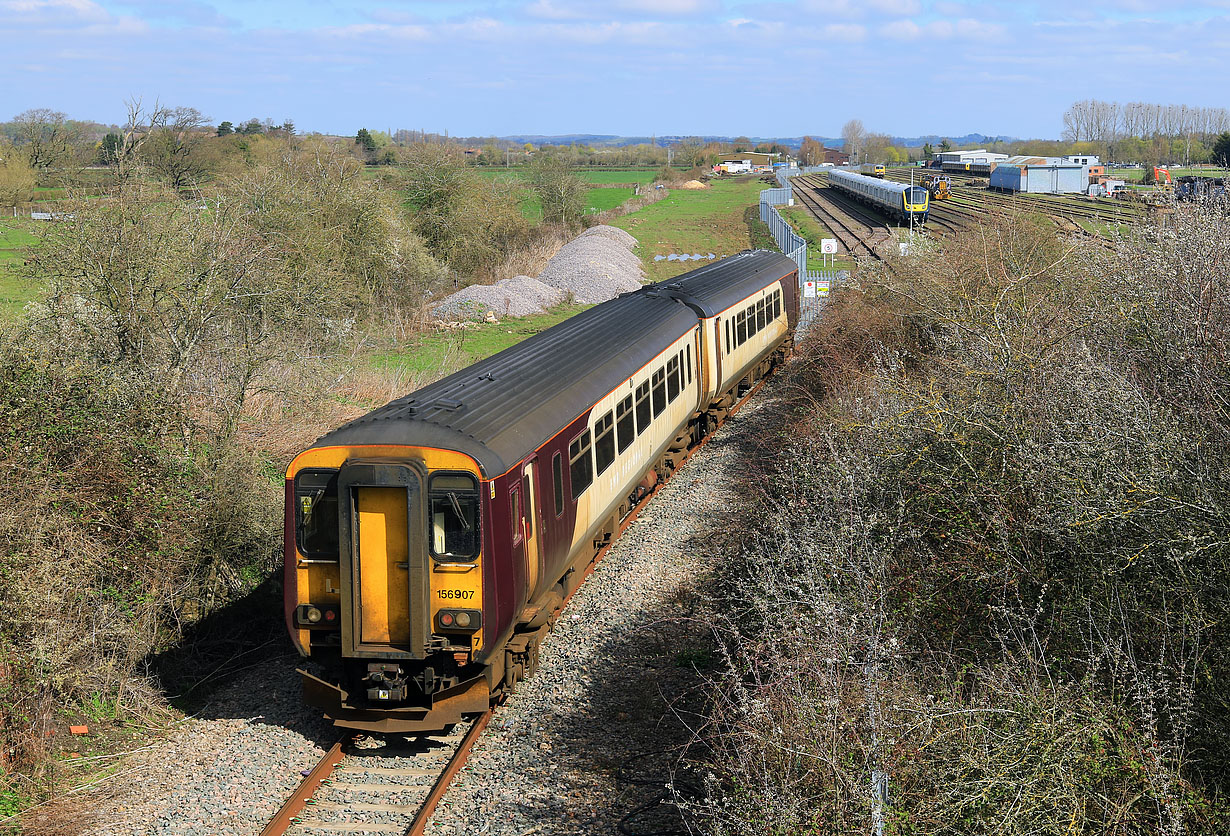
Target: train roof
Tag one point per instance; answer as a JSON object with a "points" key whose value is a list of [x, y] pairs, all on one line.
{"points": [[504, 407], [715, 287]]}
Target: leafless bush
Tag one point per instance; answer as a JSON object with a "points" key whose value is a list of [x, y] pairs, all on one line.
{"points": [[986, 591]]}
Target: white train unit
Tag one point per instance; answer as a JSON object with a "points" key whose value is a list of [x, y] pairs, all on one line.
{"points": [[898, 200]]}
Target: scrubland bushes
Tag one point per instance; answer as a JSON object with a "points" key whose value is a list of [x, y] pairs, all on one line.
{"points": [[983, 586], [181, 352]]}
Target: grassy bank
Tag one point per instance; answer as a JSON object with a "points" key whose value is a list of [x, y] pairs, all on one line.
{"points": [[721, 219], [435, 354]]}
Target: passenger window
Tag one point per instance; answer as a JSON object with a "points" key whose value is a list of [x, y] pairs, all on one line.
{"points": [[777, 304], [688, 364], [750, 316], [741, 329], [453, 502], [514, 499], [642, 408], [316, 513], [557, 482], [728, 335], [604, 442], [672, 379], [659, 392], [581, 464], [760, 321], [625, 428]]}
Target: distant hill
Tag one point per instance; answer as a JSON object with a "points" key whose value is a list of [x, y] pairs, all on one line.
{"points": [[613, 141]]}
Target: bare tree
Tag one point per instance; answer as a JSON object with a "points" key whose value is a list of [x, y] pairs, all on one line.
{"points": [[47, 136], [853, 135], [178, 149], [811, 151]]}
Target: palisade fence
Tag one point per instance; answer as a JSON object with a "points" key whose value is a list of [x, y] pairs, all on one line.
{"points": [[794, 246]]}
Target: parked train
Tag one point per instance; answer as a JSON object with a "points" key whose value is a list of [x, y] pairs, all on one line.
{"points": [[899, 200], [431, 543], [978, 169], [873, 169]]}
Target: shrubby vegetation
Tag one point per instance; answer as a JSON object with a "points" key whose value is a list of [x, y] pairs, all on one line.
{"points": [[983, 584], [180, 353]]}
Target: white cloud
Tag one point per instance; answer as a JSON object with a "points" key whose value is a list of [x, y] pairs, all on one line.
{"points": [[52, 12], [895, 7], [846, 31], [902, 30], [622, 9]]}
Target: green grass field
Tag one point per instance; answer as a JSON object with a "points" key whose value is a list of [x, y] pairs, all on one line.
{"points": [[15, 236], [596, 200], [520, 173], [722, 219], [437, 354]]}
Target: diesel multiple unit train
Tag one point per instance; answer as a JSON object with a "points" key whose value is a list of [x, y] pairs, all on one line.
{"points": [[431, 543], [898, 200]]}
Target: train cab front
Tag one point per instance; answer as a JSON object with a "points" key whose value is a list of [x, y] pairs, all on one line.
{"points": [[383, 586], [916, 199]]}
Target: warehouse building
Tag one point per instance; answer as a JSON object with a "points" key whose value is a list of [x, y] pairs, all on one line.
{"points": [[1040, 175]]}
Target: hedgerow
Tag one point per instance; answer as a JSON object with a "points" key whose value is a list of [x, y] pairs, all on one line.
{"points": [[983, 584]]}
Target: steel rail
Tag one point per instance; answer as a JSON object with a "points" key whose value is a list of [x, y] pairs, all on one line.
{"points": [[294, 805], [441, 785]]}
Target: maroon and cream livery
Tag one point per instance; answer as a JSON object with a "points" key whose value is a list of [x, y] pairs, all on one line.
{"points": [[431, 544]]}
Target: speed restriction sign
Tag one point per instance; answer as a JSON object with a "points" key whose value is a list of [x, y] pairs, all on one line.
{"points": [[828, 246]]}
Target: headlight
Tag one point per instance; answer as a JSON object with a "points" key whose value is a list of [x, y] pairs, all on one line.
{"points": [[459, 620], [323, 616]]}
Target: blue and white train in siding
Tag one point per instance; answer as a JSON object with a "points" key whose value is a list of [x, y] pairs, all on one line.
{"points": [[898, 200]]}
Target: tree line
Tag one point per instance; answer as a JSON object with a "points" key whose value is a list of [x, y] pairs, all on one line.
{"points": [[1147, 131]]}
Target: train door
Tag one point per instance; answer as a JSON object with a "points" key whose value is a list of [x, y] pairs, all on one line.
{"points": [[382, 561], [533, 527]]}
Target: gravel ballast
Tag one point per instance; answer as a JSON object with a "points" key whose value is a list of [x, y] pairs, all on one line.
{"points": [[597, 265], [583, 745]]}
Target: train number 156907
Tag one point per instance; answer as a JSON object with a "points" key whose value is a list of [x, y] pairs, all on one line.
{"points": [[455, 594]]}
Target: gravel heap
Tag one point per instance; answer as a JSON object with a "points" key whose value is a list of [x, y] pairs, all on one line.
{"points": [[518, 296], [595, 266]]}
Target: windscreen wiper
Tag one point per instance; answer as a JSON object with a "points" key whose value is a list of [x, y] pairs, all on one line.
{"points": [[465, 523]]}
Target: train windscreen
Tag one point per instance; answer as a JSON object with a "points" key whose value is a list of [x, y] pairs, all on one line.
{"points": [[917, 195]]}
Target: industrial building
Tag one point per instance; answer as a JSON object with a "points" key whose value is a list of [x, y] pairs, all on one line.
{"points": [[1040, 175]]}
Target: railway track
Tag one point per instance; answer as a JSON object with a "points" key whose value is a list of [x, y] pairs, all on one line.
{"points": [[365, 785], [859, 233], [969, 203], [392, 785]]}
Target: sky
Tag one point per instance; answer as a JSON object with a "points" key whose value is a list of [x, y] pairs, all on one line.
{"points": [[624, 67]]}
